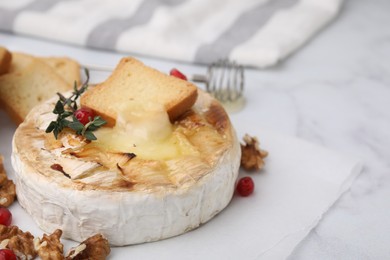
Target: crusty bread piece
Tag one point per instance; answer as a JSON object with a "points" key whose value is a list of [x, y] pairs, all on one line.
{"points": [[23, 89], [31, 80], [20, 61], [5, 64], [65, 67], [132, 80], [5, 60]]}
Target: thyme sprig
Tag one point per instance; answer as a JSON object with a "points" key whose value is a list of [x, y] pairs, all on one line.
{"points": [[86, 130], [65, 107], [71, 101]]}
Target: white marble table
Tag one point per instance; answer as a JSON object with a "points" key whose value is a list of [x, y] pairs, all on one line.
{"points": [[334, 92]]}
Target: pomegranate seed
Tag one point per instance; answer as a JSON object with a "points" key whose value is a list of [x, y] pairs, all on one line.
{"points": [[245, 186], [5, 217], [84, 114], [7, 254], [176, 73]]}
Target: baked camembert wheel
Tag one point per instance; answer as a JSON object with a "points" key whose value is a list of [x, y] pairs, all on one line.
{"points": [[145, 179]]}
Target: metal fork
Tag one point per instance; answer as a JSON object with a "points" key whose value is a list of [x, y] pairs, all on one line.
{"points": [[225, 81]]}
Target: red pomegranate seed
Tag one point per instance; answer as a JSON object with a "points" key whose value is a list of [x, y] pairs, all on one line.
{"points": [[176, 73], [5, 217], [7, 254], [245, 186], [84, 114]]}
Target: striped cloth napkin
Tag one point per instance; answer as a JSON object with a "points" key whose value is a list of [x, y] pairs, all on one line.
{"points": [[256, 33]]}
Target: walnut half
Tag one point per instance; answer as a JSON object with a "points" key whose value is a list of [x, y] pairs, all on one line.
{"points": [[252, 157], [95, 247], [7, 187], [50, 246], [22, 243]]}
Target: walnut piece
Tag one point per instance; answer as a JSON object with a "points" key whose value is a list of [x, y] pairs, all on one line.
{"points": [[252, 157], [95, 247], [7, 187], [7, 193], [50, 246], [22, 243], [3, 175]]}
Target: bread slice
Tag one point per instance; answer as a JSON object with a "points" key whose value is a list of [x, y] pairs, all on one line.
{"points": [[132, 80], [5, 60], [65, 67], [32, 79], [20, 61], [28, 86]]}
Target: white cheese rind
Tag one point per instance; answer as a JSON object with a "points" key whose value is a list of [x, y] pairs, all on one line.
{"points": [[125, 217]]}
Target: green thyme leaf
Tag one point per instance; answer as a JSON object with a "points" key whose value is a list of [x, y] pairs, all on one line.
{"points": [[89, 135], [66, 114], [93, 125], [92, 128], [98, 121], [76, 125], [59, 108], [51, 126]]}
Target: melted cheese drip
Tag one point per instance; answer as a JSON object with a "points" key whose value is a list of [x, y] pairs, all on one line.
{"points": [[145, 130]]}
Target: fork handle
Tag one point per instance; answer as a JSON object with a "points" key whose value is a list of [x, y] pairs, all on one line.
{"points": [[199, 78]]}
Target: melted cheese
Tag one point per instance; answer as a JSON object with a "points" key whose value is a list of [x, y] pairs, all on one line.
{"points": [[145, 130]]}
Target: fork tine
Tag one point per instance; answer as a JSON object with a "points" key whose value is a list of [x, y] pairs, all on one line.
{"points": [[225, 80]]}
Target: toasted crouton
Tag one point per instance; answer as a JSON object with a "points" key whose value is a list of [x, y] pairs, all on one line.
{"points": [[5, 60], [66, 68], [21, 90], [132, 80], [30, 80]]}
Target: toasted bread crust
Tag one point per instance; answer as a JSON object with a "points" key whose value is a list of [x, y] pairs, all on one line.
{"points": [[5, 60], [21, 90], [29, 80], [132, 80], [65, 67]]}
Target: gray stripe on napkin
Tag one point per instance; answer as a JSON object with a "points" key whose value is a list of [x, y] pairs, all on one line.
{"points": [[106, 34], [7, 17], [246, 25]]}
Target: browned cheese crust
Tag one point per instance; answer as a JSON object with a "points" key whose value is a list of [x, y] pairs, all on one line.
{"points": [[208, 130]]}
